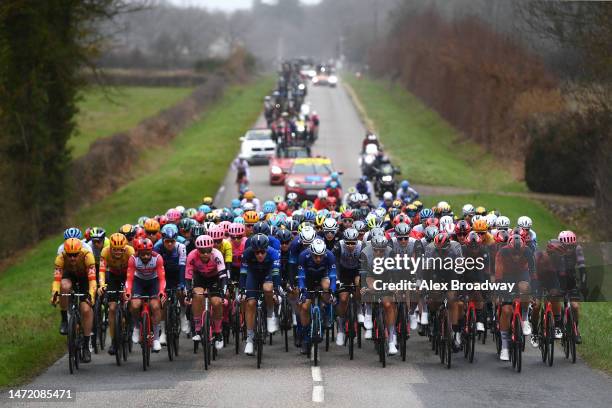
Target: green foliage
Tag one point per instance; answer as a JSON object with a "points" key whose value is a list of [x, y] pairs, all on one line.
{"points": [[192, 166], [595, 328], [104, 112], [424, 145]]}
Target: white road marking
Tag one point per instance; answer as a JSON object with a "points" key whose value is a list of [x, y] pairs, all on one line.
{"points": [[318, 391], [318, 394], [316, 374]]}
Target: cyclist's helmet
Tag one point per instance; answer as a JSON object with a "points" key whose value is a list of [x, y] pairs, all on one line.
{"points": [[261, 228], [259, 242], [118, 241], [307, 235], [554, 246], [173, 215], [402, 229], [442, 240], [284, 235], [516, 242], [502, 236], [239, 220], [480, 225], [524, 222], [73, 246], [468, 210], [430, 233], [142, 220], [277, 199], [411, 210], [282, 207], [128, 230], [207, 201], [204, 208], [216, 233], [502, 222], [309, 216], [473, 239], [74, 233], [251, 217], [97, 233], [491, 220], [567, 237], [204, 241], [330, 225], [425, 214], [191, 212], [269, 207], [143, 244], [393, 212], [376, 232], [318, 247], [151, 226], [351, 234], [235, 203], [379, 242], [197, 231], [186, 224], [169, 231], [418, 204], [360, 226], [236, 230]]}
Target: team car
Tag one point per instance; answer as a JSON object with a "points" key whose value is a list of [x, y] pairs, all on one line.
{"points": [[281, 164], [257, 145], [307, 176]]}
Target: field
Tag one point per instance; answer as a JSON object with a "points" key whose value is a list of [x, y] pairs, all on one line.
{"points": [[191, 167], [104, 112]]}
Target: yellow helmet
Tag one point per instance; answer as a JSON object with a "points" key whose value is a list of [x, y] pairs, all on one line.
{"points": [[151, 226], [249, 195], [118, 241], [480, 225], [207, 200], [251, 217], [73, 246], [480, 210]]}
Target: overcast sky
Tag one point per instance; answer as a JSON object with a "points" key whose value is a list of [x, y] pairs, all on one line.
{"points": [[226, 5]]}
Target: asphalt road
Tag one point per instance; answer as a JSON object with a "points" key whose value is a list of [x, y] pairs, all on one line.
{"points": [[289, 380]]}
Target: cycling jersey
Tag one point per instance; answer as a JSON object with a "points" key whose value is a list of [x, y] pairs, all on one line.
{"points": [[225, 247], [408, 195], [253, 274], [515, 270], [213, 268], [174, 263], [311, 273], [345, 258], [238, 247], [139, 271], [547, 271], [81, 272]]}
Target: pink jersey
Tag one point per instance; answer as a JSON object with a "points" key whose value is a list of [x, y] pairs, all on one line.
{"points": [[237, 250], [210, 269]]}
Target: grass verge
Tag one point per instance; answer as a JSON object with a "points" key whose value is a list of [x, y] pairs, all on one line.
{"points": [[117, 109], [192, 166], [595, 328], [427, 148]]}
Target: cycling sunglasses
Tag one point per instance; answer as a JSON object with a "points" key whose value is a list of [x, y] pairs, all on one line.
{"points": [[205, 250], [350, 243], [403, 238], [72, 255], [260, 252]]}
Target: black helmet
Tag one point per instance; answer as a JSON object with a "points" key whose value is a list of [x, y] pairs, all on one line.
{"points": [[261, 228], [284, 235], [260, 242]]}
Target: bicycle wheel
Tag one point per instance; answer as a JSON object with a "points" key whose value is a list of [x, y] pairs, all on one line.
{"points": [[169, 322], [129, 328], [103, 325], [315, 334], [542, 340], [144, 340], [517, 339], [448, 342], [97, 322], [382, 339], [402, 330], [205, 337], [236, 326], [118, 339], [349, 329], [259, 335], [571, 335], [471, 339], [71, 343], [550, 338], [126, 334]]}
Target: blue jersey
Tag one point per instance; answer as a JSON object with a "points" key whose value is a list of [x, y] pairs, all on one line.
{"points": [[295, 249], [174, 261], [309, 270], [270, 266]]}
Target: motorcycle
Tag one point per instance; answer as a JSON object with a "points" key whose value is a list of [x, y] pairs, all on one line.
{"points": [[384, 179]]}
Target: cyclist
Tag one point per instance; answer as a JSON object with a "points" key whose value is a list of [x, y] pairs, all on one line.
{"points": [[146, 277], [73, 232], [206, 269], [151, 227], [475, 249], [406, 193], [249, 197], [330, 229], [113, 271], [321, 200], [525, 224], [75, 268], [259, 272], [316, 268], [573, 261], [174, 255], [514, 263], [217, 233], [378, 248], [238, 240], [347, 252]]}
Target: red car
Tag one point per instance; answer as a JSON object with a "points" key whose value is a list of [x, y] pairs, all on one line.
{"points": [[307, 176], [282, 163]]}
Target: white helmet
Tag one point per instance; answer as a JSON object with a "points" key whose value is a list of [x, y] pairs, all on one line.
{"points": [[477, 217], [322, 194], [308, 234], [363, 197], [380, 212], [468, 209], [442, 204], [248, 207], [388, 195], [330, 225], [491, 220], [448, 228], [180, 209], [318, 247], [524, 222], [446, 220], [502, 222]]}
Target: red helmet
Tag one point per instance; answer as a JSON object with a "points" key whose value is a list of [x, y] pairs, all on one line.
{"points": [[442, 240], [204, 241], [163, 220], [199, 217], [473, 239], [463, 228], [217, 232], [502, 236], [282, 206], [237, 230], [140, 233], [143, 244], [516, 242], [347, 214], [432, 222], [399, 218], [555, 246]]}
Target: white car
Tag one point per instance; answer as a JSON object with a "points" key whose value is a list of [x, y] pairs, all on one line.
{"points": [[257, 146]]}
